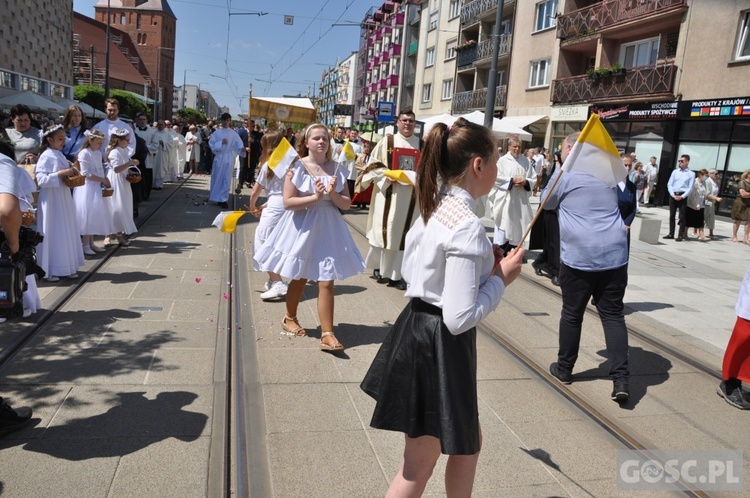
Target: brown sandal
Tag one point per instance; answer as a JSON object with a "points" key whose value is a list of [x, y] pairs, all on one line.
{"points": [[337, 346], [295, 331]]}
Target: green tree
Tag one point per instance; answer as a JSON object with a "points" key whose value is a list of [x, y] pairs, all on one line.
{"points": [[93, 95], [192, 115]]}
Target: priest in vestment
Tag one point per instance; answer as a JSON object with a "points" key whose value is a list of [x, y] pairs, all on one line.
{"points": [[226, 145], [510, 196], [148, 134], [161, 161], [394, 206]]}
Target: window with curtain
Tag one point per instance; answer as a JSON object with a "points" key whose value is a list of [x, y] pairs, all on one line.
{"points": [[546, 13]]}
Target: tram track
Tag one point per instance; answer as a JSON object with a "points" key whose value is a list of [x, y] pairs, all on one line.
{"points": [[624, 435]]}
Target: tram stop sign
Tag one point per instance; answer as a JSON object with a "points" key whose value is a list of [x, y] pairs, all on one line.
{"points": [[385, 111]]}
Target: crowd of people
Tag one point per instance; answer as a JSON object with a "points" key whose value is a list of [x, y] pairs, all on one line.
{"points": [[425, 200]]}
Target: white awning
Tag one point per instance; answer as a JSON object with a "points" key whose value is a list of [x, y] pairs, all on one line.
{"points": [[522, 121]]}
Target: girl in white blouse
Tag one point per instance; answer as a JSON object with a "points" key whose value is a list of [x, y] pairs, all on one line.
{"points": [[424, 375]]}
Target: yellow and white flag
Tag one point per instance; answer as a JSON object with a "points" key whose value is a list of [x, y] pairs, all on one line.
{"points": [[401, 176], [347, 153], [596, 154], [282, 157], [226, 221]]}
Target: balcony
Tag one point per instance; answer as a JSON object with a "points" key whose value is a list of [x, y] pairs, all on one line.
{"points": [[466, 57], [394, 50], [378, 35], [413, 48], [653, 82], [472, 11], [409, 79], [464, 102], [376, 60], [392, 80], [397, 19], [383, 84], [385, 57], [484, 49], [589, 20], [387, 30], [387, 6]]}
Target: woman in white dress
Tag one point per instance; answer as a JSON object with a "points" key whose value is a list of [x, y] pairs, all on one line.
{"points": [[121, 202], [193, 139], [60, 254], [424, 377], [269, 213], [93, 216], [312, 241]]}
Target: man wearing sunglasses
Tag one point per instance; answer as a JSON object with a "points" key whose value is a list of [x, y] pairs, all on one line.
{"points": [[680, 184]]}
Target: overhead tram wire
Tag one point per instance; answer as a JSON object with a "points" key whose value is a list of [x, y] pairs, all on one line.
{"points": [[316, 41]]}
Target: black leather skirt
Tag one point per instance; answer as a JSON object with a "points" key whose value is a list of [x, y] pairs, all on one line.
{"points": [[424, 380]]}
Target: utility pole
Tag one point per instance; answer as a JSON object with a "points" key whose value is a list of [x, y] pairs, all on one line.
{"points": [[489, 106]]}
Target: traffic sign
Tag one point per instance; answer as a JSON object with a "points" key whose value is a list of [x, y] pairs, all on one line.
{"points": [[385, 111]]}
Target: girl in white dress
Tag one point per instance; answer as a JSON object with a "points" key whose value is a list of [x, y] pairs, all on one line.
{"points": [[60, 254], [424, 375], [312, 241], [93, 216], [269, 213], [121, 202]]}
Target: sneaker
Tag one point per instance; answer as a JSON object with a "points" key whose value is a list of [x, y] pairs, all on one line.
{"points": [[620, 392], [88, 251], [733, 395], [561, 375], [278, 289], [26, 312], [12, 419], [97, 249], [52, 278], [72, 275], [267, 285]]}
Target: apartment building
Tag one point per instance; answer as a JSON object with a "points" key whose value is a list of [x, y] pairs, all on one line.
{"points": [[432, 57], [337, 89], [667, 77]]}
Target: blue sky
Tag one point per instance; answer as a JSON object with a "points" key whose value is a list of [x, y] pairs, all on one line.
{"points": [[260, 48]]}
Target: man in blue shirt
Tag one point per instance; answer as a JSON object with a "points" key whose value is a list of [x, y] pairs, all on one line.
{"points": [[593, 263], [680, 184]]}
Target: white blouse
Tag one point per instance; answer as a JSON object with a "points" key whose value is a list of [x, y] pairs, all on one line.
{"points": [[447, 263]]}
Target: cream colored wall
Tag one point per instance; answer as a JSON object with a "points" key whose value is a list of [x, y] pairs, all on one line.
{"points": [[447, 30], [529, 46], [706, 48]]}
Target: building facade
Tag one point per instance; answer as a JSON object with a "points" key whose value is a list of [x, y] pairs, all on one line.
{"points": [[661, 80], [37, 36], [151, 24], [438, 30]]}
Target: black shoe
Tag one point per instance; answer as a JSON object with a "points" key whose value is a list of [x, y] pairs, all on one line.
{"points": [[670, 236], [238, 190], [558, 373], [223, 205], [376, 274], [555, 281], [135, 213], [733, 395], [399, 284], [620, 393], [12, 419], [537, 266], [383, 280], [678, 239]]}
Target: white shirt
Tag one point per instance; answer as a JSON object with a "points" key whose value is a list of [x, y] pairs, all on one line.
{"points": [[447, 263], [108, 127]]}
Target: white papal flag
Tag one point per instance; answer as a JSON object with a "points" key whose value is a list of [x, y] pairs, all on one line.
{"points": [[596, 154]]}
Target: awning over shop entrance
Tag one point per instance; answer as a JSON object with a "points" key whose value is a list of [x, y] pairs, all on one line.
{"points": [[522, 121]]}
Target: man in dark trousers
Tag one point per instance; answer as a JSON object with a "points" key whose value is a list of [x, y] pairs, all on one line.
{"points": [[255, 151], [243, 132], [588, 210], [208, 156]]}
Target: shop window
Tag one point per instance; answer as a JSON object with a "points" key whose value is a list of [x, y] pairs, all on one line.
{"points": [[742, 49], [741, 132], [739, 158], [7, 79], [714, 131], [546, 15], [639, 53], [703, 155]]}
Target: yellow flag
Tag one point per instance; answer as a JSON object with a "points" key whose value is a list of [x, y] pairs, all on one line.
{"points": [[282, 157], [401, 176], [595, 153], [226, 221], [347, 153]]}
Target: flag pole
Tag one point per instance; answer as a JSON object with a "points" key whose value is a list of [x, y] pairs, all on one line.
{"points": [[541, 206]]}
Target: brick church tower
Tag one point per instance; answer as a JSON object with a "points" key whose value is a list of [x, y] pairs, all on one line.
{"points": [[151, 25]]}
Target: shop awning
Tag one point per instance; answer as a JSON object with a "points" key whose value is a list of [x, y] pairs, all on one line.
{"points": [[522, 121]]}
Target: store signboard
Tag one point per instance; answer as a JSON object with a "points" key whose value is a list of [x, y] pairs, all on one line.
{"points": [[639, 111], [735, 107], [569, 113]]}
